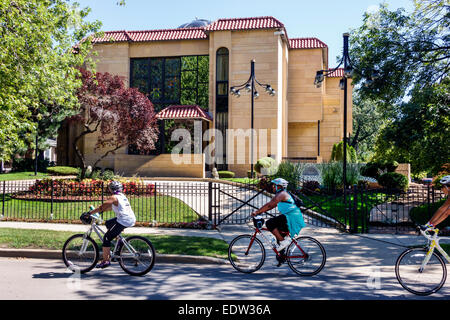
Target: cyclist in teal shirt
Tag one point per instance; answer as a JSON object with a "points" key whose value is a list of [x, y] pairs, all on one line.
{"points": [[291, 218]]}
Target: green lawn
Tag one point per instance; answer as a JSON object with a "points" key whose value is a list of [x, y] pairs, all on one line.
{"points": [[242, 180], [335, 207], [163, 209], [22, 176], [46, 239]]}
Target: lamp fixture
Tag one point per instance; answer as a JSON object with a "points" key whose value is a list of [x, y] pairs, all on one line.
{"points": [[249, 86]]}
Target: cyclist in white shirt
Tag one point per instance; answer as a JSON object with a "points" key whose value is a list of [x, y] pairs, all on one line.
{"points": [[125, 218]]}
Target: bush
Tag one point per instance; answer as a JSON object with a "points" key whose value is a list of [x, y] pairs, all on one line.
{"points": [[226, 174], [332, 175], [63, 171], [371, 170], [266, 166], [26, 164], [291, 172], [393, 180], [310, 187], [337, 153]]}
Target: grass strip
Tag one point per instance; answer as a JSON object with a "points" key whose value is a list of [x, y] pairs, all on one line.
{"points": [[27, 175], [54, 240]]}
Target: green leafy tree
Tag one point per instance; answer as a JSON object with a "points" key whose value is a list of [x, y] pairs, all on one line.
{"points": [[410, 54], [337, 154], [38, 74]]}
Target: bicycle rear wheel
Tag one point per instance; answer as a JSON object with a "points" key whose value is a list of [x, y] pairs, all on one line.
{"points": [[412, 278], [306, 256], [139, 262], [246, 253], [80, 253]]}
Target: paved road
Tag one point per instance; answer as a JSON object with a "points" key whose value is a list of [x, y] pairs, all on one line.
{"points": [[49, 279]]}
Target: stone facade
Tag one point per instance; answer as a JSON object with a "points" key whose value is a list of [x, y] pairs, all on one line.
{"points": [[302, 120]]}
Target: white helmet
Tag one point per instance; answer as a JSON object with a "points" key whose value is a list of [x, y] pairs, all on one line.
{"points": [[280, 182], [445, 180], [115, 186]]}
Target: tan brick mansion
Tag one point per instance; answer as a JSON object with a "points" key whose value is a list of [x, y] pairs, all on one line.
{"points": [[187, 73]]}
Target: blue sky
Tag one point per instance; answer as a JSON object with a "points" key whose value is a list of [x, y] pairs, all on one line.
{"points": [[324, 19]]}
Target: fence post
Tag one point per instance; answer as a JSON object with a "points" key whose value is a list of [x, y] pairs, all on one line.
{"points": [[355, 208], [3, 198], [210, 201], [428, 201], [51, 202], [155, 202]]}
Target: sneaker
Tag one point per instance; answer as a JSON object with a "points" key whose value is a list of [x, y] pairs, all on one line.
{"points": [[283, 244], [280, 258], [103, 265]]}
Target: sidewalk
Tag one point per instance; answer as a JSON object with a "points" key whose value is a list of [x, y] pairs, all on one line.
{"points": [[338, 244]]}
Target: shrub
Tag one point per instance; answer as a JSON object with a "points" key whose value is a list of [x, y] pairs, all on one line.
{"points": [[226, 174], [337, 153], [371, 170], [291, 172], [266, 166], [26, 164], [394, 180], [310, 187], [63, 171], [331, 175]]}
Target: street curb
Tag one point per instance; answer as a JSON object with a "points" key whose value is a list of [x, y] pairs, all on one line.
{"points": [[56, 254]]}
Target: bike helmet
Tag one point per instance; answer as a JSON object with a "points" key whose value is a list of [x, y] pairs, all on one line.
{"points": [[115, 186], [445, 180], [280, 182]]}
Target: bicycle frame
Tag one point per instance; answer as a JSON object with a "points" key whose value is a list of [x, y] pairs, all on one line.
{"points": [[434, 244], [100, 233], [259, 231]]}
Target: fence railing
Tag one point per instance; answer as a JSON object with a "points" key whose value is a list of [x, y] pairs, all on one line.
{"points": [[198, 202]]}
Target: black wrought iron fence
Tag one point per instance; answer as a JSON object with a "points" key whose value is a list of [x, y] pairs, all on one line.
{"points": [[157, 203], [197, 203]]}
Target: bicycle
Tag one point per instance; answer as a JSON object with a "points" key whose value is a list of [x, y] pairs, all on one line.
{"points": [[135, 254], [305, 255], [421, 270]]}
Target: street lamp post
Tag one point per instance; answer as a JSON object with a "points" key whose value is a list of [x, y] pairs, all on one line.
{"points": [[249, 85], [348, 70]]}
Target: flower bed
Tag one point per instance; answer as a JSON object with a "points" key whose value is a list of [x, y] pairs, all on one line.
{"points": [[86, 190]]}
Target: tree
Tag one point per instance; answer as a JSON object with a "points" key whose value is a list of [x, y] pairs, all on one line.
{"points": [[411, 56], [121, 116], [38, 75], [367, 123]]}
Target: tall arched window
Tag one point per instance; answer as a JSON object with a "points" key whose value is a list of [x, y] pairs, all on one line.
{"points": [[222, 104]]}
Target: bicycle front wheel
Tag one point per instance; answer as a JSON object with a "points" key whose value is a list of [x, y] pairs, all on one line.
{"points": [[420, 281], [80, 253], [246, 253], [306, 256], [138, 257]]}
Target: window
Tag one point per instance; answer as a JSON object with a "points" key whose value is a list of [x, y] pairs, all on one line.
{"points": [[171, 80], [222, 104]]}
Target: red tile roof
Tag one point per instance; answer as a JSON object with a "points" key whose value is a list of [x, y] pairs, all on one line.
{"points": [[245, 24], [152, 35], [306, 43], [338, 73], [184, 112], [202, 32]]}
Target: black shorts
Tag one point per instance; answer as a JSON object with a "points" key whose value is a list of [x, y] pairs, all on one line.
{"points": [[114, 229], [279, 222]]}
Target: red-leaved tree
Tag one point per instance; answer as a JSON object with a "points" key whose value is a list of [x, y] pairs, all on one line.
{"points": [[121, 116]]}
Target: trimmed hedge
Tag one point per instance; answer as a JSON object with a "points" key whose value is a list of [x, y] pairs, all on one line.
{"points": [[394, 180], [226, 174], [63, 171]]}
